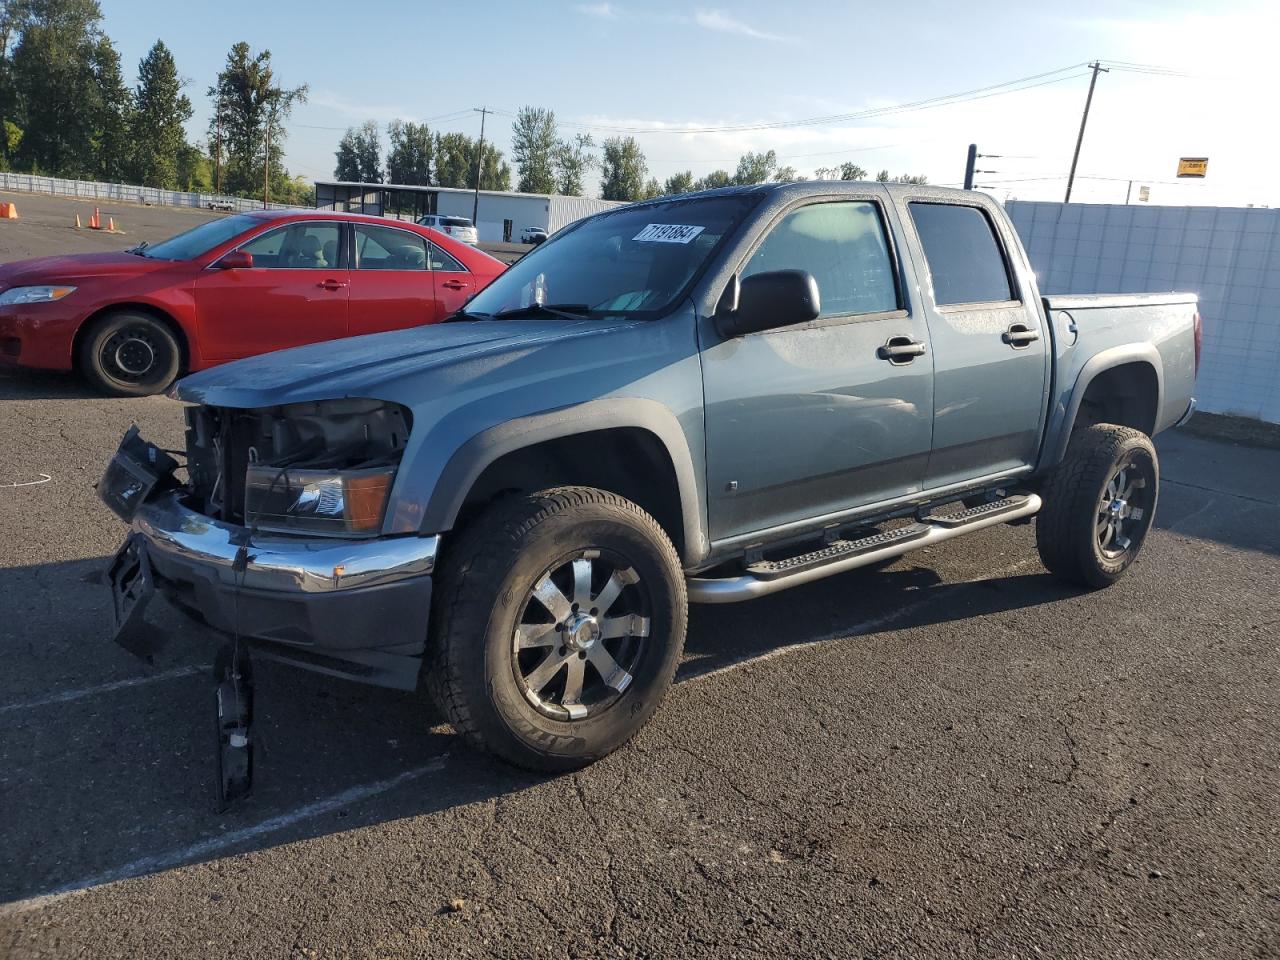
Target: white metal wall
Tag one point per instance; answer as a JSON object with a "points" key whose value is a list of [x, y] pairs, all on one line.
{"points": [[1229, 256], [93, 190]]}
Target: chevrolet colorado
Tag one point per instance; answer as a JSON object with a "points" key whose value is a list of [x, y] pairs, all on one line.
{"points": [[705, 398]]}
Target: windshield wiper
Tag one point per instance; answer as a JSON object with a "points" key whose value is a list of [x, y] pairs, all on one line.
{"points": [[465, 314], [569, 311], [138, 250]]}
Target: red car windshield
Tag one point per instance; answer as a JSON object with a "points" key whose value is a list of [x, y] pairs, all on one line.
{"points": [[199, 240]]}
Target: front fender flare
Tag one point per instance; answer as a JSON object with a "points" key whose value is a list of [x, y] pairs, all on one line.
{"points": [[470, 460]]}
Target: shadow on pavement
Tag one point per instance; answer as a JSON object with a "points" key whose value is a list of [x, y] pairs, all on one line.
{"points": [[119, 783], [43, 385]]}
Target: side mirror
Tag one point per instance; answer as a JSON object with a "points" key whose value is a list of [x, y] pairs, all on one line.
{"points": [[766, 301], [236, 260]]}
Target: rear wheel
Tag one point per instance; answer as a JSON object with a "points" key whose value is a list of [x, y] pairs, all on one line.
{"points": [[129, 354], [1099, 505], [561, 624]]}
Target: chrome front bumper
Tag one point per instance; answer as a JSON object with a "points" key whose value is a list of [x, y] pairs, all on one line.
{"points": [[309, 565]]}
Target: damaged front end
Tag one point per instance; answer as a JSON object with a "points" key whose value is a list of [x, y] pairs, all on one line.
{"points": [[276, 536]]}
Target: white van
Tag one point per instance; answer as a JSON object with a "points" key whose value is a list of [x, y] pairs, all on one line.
{"points": [[460, 228]]}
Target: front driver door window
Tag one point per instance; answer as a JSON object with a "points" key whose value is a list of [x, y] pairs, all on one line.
{"points": [[295, 293], [807, 421]]}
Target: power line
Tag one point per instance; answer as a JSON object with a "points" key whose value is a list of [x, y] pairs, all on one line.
{"points": [[979, 93]]}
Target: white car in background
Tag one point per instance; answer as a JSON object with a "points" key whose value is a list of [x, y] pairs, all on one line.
{"points": [[534, 235], [460, 228]]}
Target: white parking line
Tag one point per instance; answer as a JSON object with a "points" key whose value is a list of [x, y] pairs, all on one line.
{"points": [[857, 629], [175, 858], [68, 695]]}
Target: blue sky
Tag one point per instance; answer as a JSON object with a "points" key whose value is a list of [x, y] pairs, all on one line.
{"points": [[657, 67]]}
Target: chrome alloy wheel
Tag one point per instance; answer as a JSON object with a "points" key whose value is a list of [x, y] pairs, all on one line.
{"points": [[581, 636], [1124, 504]]}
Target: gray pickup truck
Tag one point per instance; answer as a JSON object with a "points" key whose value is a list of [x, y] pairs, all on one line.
{"points": [[704, 398]]}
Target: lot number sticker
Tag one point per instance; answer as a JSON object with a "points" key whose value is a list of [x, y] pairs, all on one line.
{"points": [[667, 233]]}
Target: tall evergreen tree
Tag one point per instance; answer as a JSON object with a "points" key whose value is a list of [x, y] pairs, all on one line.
{"points": [[56, 86], [160, 110], [679, 183], [533, 147], [113, 110], [250, 108], [358, 155]]}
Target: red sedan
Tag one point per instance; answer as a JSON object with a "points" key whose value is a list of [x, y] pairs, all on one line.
{"points": [[131, 322]]}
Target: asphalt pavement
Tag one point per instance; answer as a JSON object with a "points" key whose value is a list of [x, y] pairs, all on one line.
{"points": [[955, 756]]}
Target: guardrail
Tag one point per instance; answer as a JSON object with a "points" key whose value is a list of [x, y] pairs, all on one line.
{"points": [[154, 196]]}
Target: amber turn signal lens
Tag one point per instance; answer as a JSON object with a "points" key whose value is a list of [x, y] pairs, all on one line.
{"points": [[366, 499]]}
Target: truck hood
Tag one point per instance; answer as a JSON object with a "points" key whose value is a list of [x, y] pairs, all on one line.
{"points": [[76, 266], [377, 365]]}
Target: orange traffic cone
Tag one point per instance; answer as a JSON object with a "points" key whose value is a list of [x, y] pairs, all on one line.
{"points": [[77, 221], [111, 224], [9, 211], [95, 222]]}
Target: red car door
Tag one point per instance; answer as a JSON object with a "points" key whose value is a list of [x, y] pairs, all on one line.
{"points": [[295, 292], [391, 284], [453, 282]]}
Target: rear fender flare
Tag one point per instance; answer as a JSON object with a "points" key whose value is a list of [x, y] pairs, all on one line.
{"points": [[1060, 432]]}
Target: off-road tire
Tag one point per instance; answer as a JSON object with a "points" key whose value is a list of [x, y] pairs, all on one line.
{"points": [[482, 590], [153, 340], [1066, 527]]}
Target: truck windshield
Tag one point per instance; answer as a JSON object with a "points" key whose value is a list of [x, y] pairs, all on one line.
{"points": [[200, 239], [634, 261]]}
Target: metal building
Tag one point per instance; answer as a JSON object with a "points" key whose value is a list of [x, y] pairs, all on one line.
{"points": [[502, 216]]}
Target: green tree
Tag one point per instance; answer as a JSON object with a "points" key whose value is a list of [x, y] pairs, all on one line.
{"points": [[194, 169], [347, 155], [623, 170], [756, 168], [113, 114], [409, 153], [851, 171], [160, 110], [679, 183], [455, 156], [533, 147], [249, 110], [652, 189], [495, 174], [573, 161], [883, 177], [55, 84], [786, 175], [714, 180]]}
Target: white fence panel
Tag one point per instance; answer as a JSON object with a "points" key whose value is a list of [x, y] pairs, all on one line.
{"points": [[1229, 256], [121, 192]]}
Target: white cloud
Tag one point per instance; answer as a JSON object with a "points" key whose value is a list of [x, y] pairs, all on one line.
{"points": [[721, 22], [601, 11]]}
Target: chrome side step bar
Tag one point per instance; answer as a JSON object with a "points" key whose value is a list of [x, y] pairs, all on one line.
{"points": [[768, 577]]}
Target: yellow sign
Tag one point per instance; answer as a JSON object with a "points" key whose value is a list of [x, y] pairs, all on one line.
{"points": [[1193, 166]]}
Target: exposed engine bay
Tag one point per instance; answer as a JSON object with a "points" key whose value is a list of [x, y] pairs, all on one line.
{"points": [[224, 443]]}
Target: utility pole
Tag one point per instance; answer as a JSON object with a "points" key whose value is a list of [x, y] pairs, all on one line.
{"points": [[266, 168], [1097, 68], [217, 151], [970, 163], [475, 206]]}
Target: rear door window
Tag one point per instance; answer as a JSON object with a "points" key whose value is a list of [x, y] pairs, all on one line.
{"points": [[843, 245], [386, 248], [440, 260], [965, 260]]}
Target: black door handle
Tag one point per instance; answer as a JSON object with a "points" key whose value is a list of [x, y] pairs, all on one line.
{"points": [[901, 350], [1019, 335]]}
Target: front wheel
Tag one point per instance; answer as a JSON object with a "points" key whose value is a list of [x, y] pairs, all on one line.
{"points": [[1099, 505], [129, 354], [561, 622]]}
